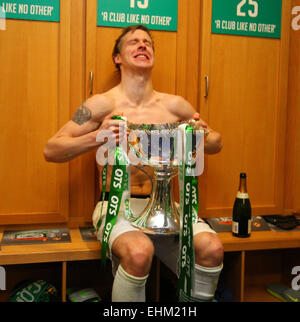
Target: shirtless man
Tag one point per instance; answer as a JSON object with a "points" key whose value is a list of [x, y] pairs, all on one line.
{"points": [[136, 99]]}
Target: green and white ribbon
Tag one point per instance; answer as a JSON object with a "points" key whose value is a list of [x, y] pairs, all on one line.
{"points": [[126, 194], [189, 214], [195, 197], [104, 183], [125, 197], [119, 181], [114, 198]]}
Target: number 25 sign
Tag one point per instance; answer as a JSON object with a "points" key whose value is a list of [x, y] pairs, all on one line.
{"points": [[258, 18]]}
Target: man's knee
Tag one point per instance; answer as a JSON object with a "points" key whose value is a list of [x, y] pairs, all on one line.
{"points": [[141, 254], [137, 258], [209, 250]]}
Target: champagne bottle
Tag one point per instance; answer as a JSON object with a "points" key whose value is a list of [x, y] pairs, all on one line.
{"points": [[241, 219]]}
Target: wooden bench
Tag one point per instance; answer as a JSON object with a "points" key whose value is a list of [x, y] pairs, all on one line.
{"points": [[266, 257], [76, 250], [249, 263]]}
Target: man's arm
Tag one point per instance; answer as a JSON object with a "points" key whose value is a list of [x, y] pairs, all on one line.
{"points": [[185, 111], [78, 135]]}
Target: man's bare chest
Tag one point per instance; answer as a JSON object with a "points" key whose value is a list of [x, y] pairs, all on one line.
{"points": [[150, 113]]}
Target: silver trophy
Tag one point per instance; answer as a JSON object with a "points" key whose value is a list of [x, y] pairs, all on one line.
{"points": [[161, 147]]}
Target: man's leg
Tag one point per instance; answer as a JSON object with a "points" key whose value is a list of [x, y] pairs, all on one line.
{"points": [[131, 253], [208, 259], [135, 252], [208, 264]]}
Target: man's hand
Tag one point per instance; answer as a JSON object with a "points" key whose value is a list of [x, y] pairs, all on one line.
{"points": [[200, 123], [111, 130], [213, 141], [111, 133]]}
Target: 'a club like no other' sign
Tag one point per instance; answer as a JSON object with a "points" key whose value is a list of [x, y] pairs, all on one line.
{"points": [[154, 14], [258, 18], [41, 10]]}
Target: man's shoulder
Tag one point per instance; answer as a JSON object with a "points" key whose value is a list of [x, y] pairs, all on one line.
{"points": [[178, 105], [173, 100], [99, 100], [169, 97], [100, 105]]}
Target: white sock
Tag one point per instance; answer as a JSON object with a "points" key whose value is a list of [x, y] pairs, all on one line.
{"points": [[128, 288], [206, 280]]}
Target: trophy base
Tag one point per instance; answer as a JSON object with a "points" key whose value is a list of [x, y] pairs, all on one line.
{"points": [[171, 227]]}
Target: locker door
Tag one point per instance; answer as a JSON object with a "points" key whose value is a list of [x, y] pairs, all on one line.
{"points": [[34, 102], [246, 103]]}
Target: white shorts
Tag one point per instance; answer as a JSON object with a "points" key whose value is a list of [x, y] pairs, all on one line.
{"points": [[166, 247]]}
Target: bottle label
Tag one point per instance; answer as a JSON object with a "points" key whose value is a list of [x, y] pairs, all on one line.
{"points": [[249, 226], [242, 195], [235, 227]]}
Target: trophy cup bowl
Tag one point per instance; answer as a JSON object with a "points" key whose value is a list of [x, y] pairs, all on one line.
{"points": [[158, 146]]}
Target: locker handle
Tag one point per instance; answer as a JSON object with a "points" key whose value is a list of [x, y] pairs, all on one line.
{"points": [[206, 86], [91, 82]]}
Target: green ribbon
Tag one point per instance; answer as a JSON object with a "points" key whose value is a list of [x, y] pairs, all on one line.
{"points": [[114, 198], [104, 183], [189, 214], [195, 197], [117, 186]]}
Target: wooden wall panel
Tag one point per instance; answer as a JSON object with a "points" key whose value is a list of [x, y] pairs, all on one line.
{"points": [[247, 105], [292, 170], [188, 42], [35, 60], [82, 169]]}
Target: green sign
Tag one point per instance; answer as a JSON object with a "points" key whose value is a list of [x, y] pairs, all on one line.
{"points": [[154, 14], [259, 18], [42, 10]]}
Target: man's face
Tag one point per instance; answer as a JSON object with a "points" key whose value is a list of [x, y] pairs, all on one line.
{"points": [[136, 51]]}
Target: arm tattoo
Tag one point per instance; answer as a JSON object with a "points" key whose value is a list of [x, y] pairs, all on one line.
{"points": [[82, 115]]}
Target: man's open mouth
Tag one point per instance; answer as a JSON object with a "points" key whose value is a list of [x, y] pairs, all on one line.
{"points": [[144, 56]]}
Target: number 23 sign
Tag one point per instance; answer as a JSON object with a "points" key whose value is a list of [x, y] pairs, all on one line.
{"points": [[258, 18]]}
